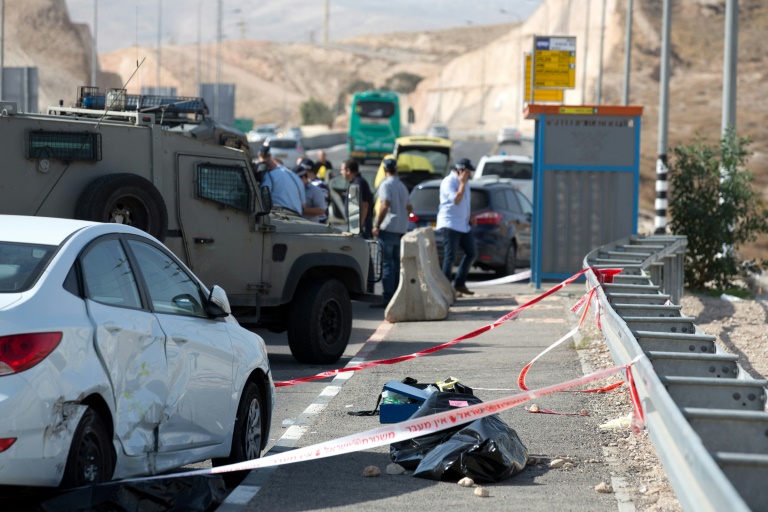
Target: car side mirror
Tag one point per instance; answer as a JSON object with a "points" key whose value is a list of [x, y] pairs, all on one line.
{"points": [[353, 209], [217, 305], [266, 201]]}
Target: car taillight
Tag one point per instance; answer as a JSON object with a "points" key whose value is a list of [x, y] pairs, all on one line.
{"points": [[6, 443], [488, 218], [19, 352], [301, 149], [412, 217]]}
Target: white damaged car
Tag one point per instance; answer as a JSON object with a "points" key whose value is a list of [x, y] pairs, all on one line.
{"points": [[116, 361]]}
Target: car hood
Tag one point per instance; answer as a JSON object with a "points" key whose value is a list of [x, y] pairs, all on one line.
{"points": [[7, 299]]}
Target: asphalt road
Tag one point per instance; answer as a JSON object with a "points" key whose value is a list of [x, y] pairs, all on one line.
{"points": [[305, 415]]}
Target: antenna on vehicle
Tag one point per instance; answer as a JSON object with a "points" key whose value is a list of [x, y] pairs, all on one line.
{"points": [[125, 85]]}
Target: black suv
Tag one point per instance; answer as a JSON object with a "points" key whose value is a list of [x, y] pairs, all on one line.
{"points": [[501, 217]]}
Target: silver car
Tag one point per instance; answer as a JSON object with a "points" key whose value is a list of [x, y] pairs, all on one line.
{"points": [[116, 361], [286, 149]]}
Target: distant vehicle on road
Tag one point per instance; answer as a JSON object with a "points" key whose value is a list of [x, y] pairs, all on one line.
{"points": [[295, 132], [519, 169], [501, 217], [438, 130], [138, 369], [521, 145], [508, 132], [258, 135], [286, 148], [374, 124], [419, 158]]}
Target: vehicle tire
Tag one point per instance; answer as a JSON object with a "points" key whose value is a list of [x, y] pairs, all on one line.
{"points": [[248, 431], [509, 262], [320, 321], [90, 459], [125, 199]]}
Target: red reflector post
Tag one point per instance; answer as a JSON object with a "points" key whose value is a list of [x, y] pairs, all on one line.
{"points": [[19, 352], [6, 443]]}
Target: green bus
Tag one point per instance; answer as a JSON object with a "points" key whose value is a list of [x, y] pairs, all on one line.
{"points": [[374, 124]]}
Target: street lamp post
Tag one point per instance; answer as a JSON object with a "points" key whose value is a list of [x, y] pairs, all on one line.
{"points": [[95, 32]]}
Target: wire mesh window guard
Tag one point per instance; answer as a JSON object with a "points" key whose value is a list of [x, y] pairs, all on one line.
{"points": [[65, 145], [225, 185]]}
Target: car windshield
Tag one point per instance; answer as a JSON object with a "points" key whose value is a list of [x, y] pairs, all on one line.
{"points": [[422, 159], [509, 169], [22, 264], [282, 144], [427, 199]]}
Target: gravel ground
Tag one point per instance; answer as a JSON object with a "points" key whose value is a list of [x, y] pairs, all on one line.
{"points": [[740, 327]]}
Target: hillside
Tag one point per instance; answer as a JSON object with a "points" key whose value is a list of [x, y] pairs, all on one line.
{"points": [[472, 75]]}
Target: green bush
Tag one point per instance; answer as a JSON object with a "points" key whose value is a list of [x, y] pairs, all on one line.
{"points": [[315, 112], [713, 203]]}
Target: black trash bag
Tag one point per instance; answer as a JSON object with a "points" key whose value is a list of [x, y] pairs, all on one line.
{"points": [[411, 452], [485, 450]]}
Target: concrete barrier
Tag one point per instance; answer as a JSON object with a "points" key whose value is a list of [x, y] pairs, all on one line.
{"points": [[424, 293]]}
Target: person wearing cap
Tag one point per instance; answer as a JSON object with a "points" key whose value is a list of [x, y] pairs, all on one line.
{"points": [[453, 217], [315, 209], [286, 188], [389, 227]]}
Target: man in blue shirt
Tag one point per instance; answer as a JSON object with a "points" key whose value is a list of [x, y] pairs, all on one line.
{"points": [[287, 189], [453, 217], [316, 205], [390, 226]]}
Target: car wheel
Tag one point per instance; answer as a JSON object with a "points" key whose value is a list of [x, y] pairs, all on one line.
{"points": [[90, 455], [321, 321], [509, 262], [248, 432], [124, 199]]}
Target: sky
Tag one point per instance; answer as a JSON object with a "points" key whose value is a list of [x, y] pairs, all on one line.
{"points": [[126, 23]]}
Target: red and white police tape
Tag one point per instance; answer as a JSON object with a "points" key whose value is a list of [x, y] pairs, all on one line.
{"points": [[402, 431], [604, 274]]}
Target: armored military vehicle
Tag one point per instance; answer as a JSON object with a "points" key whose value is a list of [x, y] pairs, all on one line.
{"points": [[134, 159]]}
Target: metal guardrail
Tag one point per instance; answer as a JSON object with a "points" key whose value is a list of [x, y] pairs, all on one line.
{"points": [[705, 415]]}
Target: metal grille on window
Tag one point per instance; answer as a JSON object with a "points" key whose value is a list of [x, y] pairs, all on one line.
{"points": [[65, 145], [375, 253], [224, 185]]}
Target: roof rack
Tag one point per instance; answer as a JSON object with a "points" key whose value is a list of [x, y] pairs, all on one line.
{"points": [[171, 108]]}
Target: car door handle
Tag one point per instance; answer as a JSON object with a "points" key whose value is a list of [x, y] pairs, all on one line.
{"points": [[179, 339], [112, 327]]}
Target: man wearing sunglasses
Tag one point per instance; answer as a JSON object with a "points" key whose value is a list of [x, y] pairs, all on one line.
{"points": [[453, 218]]}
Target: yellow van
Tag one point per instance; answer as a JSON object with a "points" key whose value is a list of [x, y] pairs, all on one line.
{"points": [[419, 158]]}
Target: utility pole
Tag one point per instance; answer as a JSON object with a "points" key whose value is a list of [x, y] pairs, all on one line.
{"points": [[480, 121], [586, 48], [730, 63], [2, 45], [660, 221], [599, 93], [159, 39], [94, 54], [218, 63], [627, 55], [199, 42], [326, 20]]}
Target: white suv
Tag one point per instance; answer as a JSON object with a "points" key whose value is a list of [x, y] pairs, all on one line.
{"points": [[516, 167]]}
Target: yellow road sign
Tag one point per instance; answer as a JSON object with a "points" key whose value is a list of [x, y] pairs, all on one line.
{"points": [[539, 94], [554, 62]]}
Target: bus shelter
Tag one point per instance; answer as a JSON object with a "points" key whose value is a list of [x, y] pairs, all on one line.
{"points": [[586, 181]]}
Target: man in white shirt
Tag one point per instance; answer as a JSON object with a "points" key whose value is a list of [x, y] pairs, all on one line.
{"points": [[453, 217]]}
